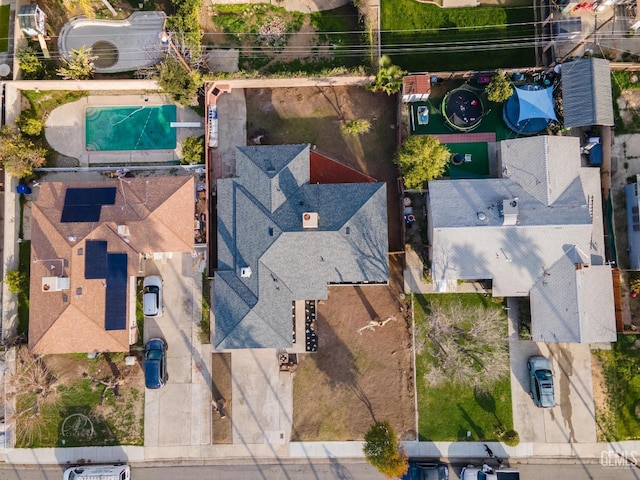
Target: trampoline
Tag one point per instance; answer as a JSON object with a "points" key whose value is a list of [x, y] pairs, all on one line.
{"points": [[463, 109], [530, 109]]}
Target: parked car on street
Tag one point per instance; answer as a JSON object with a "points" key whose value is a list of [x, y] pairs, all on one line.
{"points": [[474, 473], [419, 470], [541, 382], [155, 365], [152, 296]]}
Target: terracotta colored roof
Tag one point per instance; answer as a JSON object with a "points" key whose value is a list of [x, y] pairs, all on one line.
{"points": [[325, 170], [159, 215], [416, 84]]}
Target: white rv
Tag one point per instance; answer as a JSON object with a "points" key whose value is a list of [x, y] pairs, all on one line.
{"points": [[98, 472]]}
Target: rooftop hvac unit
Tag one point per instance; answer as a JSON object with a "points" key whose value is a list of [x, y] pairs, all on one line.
{"points": [[310, 220]]}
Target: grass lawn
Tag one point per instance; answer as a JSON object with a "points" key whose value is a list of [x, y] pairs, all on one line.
{"points": [[620, 81], [4, 27], [477, 168], [24, 266], [620, 366], [448, 412], [429, 33]]}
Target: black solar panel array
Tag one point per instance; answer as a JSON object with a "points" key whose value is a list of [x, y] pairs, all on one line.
{"points": [[95, 260], [84, 204], [115, 315]]}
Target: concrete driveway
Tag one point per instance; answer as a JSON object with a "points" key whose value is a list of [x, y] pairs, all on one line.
{"points": [[179, 414], [262, 399], [572, 420]]}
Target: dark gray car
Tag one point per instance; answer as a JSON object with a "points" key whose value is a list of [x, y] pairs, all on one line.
{"points": [[419, 470], [155, 365], [541, 382]]}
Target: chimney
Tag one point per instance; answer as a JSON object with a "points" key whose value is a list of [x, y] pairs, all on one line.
{"points": [[245, 272], [310, 220], [510, 211]]}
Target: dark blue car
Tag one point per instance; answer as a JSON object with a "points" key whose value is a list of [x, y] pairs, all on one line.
{"points": [[426, 471], [155, 365]]}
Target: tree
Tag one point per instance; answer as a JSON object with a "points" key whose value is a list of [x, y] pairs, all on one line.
{"points": [[30, 64], [17, 281], [356, 127], [499, 89], [79, 66], [381, 450], [19, 156], [422, 158], [389, 77], [181, 84], [466, 345], [192, 150]]}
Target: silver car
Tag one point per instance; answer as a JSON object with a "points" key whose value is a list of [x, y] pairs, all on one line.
{"points": [[541, 382], [152, 296]]}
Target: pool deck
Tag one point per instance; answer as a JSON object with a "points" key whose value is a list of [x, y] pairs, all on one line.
{"points": [[65, 131]]}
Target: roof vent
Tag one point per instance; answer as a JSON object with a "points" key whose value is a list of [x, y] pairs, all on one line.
{"points": [[245, 272], [55, 284], [124, 230], [310, 220], [482, 217], [510, 211]]}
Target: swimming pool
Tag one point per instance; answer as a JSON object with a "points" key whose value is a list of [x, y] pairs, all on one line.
{"points": [[130, 128]]}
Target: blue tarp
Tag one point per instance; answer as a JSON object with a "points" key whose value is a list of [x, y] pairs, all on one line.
{"points": [[536, 103]]}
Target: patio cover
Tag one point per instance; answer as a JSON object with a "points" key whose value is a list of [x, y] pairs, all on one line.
{"points": [[536, 104]]}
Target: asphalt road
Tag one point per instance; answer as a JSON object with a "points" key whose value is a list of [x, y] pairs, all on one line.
{"points": [[322, 470]]}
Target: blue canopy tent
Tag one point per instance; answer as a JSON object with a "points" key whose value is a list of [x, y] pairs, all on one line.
{"points": [[530, 109]]}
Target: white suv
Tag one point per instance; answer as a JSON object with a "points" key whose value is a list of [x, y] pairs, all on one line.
{"points": [[152, 296]]}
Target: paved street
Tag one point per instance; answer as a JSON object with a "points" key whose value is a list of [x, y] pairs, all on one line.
{"points": [[573, 418], [179, 413]]}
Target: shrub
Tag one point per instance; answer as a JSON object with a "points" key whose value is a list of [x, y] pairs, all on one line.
{"points": [[16, 281], [192, 150], [510, 438], [30, 126], [499, 89], [356, 127], [18, 154], [30, 64]]}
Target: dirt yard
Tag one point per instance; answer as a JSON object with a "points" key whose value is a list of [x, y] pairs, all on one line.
{"points": [[314, 115], [70, 406], [357, 378]]}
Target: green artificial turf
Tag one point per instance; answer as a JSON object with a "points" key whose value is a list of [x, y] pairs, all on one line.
{"points": [[420, 37]]}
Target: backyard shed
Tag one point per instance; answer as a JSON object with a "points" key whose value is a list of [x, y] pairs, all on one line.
{"points": [[586, 93]]}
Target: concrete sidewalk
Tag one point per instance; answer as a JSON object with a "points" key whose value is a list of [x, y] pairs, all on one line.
{"points": [[523, 453]]}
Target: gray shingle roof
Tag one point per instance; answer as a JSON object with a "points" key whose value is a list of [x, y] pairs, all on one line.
{"points": [[260, 226], [633, 223], [586, 93], [470, 240], [583, 313]]}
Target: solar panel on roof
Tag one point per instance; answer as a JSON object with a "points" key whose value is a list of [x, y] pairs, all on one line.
{"points": [[83, 204], [115, 315], [95, 263]]}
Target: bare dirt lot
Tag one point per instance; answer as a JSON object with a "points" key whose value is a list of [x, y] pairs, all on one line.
{"points": [[355, 378]]}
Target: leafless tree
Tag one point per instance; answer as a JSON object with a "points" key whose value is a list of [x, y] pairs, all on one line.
{"points": [[35, 386], [467, 345]]}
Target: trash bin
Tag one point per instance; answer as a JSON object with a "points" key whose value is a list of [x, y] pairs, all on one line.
{"points": [[23, 189]]}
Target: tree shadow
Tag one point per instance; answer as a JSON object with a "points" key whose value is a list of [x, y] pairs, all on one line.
{"points": [[475, 428]]}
